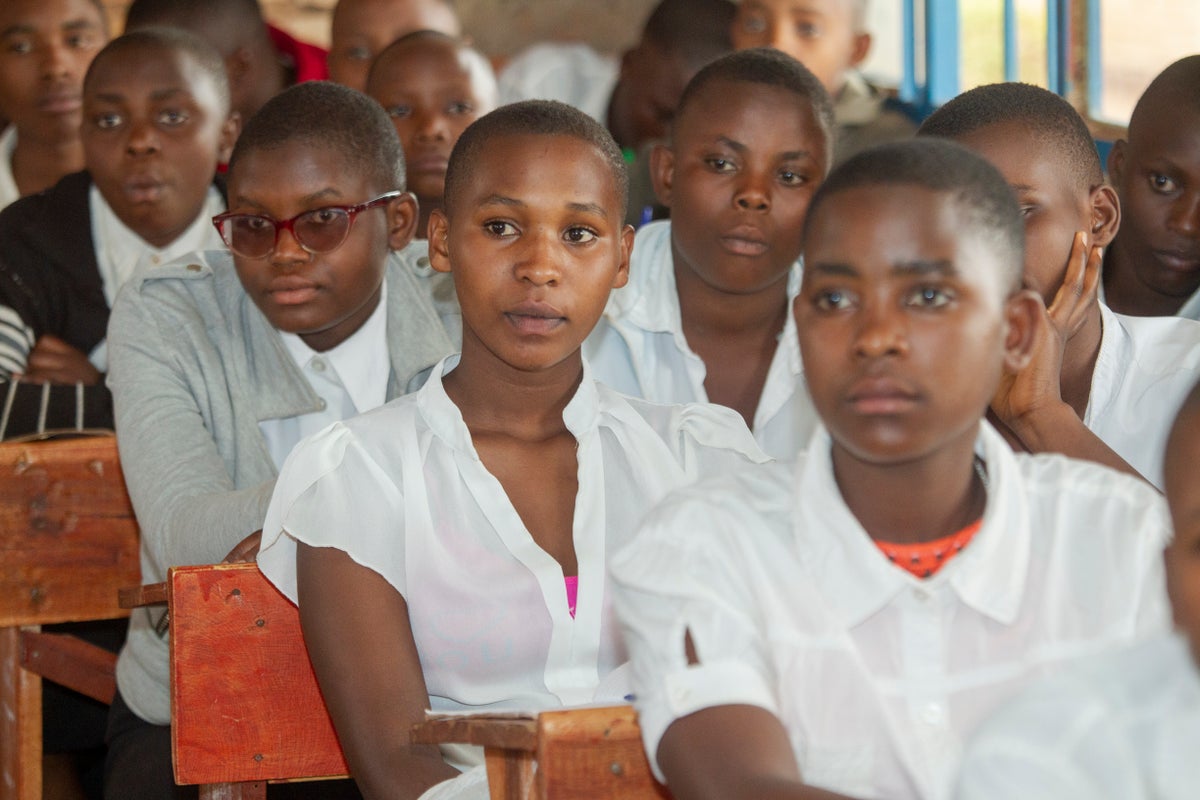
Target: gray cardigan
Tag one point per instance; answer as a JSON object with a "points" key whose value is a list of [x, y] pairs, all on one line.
{"points": [[194, 366]]}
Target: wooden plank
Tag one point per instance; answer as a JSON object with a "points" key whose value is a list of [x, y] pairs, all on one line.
{"points": [[150, 594], [68, 538], [507, 731], [20, 723], [71, 662], [244, 700], [510, 773], [594, 754]]}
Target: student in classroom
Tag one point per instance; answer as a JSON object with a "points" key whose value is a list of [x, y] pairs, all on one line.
{"points": [[909, 572], [156, 124], [222, 361], [1101, 386], [635, 95], [432, 86], [1153, 266], [707, 315], [471, 522], [831, 39], [45, 49], [260, 59], [361, 29], [1126, 725]]}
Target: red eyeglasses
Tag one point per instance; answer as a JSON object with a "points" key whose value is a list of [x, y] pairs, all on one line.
{"points": [[318, 231]]}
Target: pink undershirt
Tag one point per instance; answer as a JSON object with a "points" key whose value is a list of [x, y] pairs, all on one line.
{"points": [[572, 592]]}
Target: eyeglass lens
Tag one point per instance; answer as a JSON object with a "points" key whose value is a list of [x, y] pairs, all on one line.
{"points": [[317, 231]]}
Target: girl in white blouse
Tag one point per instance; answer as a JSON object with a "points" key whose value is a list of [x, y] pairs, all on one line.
{"points": [[448, 550]]}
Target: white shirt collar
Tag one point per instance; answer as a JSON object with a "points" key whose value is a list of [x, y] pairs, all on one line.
{"points": [[361, 362], [8, 184], [120, 251], [858, 580]]}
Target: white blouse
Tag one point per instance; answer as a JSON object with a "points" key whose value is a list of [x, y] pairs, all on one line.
{"points": [[879, 676], [402, 490], [638, 348]]}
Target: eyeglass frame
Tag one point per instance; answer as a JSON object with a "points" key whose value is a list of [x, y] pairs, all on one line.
{"points": [[289, 224]]}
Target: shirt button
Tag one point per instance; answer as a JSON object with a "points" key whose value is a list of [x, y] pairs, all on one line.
{"points": [[921, 594], [320, 405], [156, 260], [194, 267], [933, 714], [318, 365]]}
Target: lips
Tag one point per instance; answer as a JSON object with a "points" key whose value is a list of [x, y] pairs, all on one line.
{"points": [[745, 240], [60, 102], [535, 317], [1178, 260], [143, 189], [292, 290], [881, 396], [427, 163]]}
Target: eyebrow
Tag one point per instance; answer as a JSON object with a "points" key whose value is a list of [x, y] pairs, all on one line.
{"points": [[69, 25], [327, 192], [589, 208], [788, 155], [923, 267]]}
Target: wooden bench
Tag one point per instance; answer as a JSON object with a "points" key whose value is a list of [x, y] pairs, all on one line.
{"points": [[246, 709], [68, 541]]}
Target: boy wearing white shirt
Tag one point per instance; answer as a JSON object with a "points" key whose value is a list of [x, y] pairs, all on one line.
{"points": [[842, 624], [221, 361], [1102, 386], [1126, 725], [707, 315], [156, 124], [472, 521]]}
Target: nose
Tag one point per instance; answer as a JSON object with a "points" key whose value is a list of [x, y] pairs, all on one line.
{"points": [[431, 127], [287, 249], [781, 37], [881, 331], [753, 191], [540, 260], [56, 62], [142, 138], [1185, 215]]}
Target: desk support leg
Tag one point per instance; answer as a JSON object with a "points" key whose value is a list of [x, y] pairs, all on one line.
{"points": [[510, 774], [20, 723]]}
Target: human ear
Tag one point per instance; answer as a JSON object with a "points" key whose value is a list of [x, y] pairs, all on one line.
{"points": [[1106, 215], [401, 220], [439, 248], [662, 172], [1024, 311], [230, 128], [862, 46], [622, 276]]}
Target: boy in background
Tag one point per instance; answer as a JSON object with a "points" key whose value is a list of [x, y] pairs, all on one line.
{"points": [[1101, 386], [361, 29], [707, 315], [830, 38], [1125, 726], [432, 87], [156, 124], [909, 572], [45, 49], [1153, 266]]}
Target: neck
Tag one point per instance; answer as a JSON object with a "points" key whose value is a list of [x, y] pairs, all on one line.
{"points": [[707, 311], [496, 397], [1125, 294], [918, 501], [1079, 361], [38, 165]]}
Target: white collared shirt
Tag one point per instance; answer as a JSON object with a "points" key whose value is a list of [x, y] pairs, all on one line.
{"points": [[1125, 726], [574, 74], [120, 251], [8, 184], [349, 379], [879, 676], [403, 491], [1145, 369], [638, 348]]}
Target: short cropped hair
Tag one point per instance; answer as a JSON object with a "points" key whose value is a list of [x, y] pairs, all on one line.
{"points": [[329, 117], [202, 54], [532, 118], [978, 189], [1051, 122], [1178, 85], [767, 67], [697, 31], [480, 67], [189, 13]]}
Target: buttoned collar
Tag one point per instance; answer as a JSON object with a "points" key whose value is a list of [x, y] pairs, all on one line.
{"points": [[857, 580]]}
